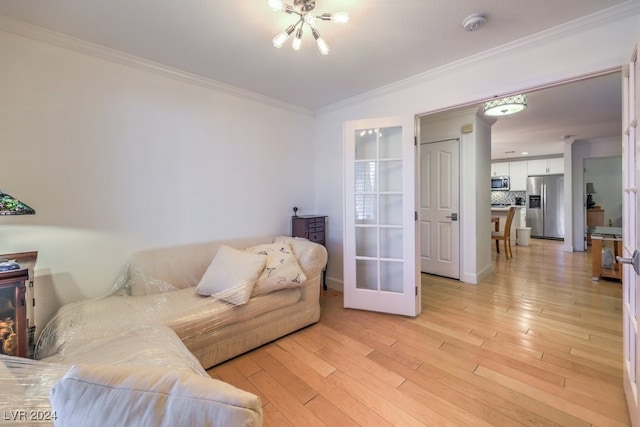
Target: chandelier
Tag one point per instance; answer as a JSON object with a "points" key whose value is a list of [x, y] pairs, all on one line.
{"points": [[304, 8], [505, 106]]}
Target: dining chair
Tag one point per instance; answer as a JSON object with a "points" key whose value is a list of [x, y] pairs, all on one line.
{"points": [[505, 235]]}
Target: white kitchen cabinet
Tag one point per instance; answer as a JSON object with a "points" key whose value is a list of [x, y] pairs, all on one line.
{"points": [[556, 165], [500, 169], [552, 166], [537, 167], [518, 172]]}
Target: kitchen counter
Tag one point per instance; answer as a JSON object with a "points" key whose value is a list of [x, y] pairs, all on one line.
{"points": [[504, 208]]}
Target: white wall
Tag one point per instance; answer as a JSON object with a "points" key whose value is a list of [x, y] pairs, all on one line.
{"points": [[478, 200], [114, 158], [540, 62], [606, 175], [581, 151]]}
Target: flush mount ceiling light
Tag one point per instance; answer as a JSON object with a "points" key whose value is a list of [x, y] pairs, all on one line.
{"points": [[304, 8], [505, 106]]}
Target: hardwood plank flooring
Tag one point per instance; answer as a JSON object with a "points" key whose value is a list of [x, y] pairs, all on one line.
{"points": [[536, 343]]}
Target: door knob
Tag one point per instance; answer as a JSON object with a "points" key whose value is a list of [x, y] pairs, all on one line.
{"points": [[453, 217], [634, 261]]}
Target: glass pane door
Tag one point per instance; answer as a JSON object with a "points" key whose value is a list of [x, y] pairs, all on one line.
{"points": [[631, 238], [380, 268]]}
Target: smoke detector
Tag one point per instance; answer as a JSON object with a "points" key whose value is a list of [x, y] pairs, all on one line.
{"points": [[474, 22]]}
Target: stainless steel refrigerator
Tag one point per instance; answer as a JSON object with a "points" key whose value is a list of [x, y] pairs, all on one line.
{"points": [[545, 207]]}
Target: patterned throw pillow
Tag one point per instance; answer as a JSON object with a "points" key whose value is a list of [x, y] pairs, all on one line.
{"points": [[282, 269]]}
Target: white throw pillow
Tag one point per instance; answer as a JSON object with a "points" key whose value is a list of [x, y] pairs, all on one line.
{"points": [[282, 270], [103, 395], [231, 275]]}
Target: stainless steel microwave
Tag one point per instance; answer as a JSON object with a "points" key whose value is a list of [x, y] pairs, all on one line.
{"points": [[500, 183]]}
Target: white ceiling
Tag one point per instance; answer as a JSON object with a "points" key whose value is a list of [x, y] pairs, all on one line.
{"points": [[385, 41], [589, 109]]}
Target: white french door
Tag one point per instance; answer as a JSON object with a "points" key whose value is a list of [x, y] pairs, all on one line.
{"points": [[380, 268], [439, 207], [630, 238]]}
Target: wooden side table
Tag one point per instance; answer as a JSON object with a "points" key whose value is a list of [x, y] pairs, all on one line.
{"points": [[600, 237], [312, 227]]}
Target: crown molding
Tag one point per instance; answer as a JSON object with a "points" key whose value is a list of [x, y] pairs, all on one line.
{"points": [[606, 16], [23, 29]]}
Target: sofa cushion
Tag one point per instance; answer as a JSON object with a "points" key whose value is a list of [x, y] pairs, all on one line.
{"points": [[282, 269], [103, 395], [146, 345], [208, 318], [231, 275], [82, 322]]}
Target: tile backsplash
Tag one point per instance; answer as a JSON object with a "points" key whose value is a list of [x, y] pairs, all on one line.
{"points": [[507, 197]]}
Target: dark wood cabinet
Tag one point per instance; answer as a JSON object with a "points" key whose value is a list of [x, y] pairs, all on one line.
{"points": [[310, 227], [13, 313], [16, 307]]}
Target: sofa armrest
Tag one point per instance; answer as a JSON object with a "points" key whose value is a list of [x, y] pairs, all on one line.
{"points": [[311, 256], [128, 395]]}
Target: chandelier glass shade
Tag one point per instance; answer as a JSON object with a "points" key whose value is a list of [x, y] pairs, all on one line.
{"points": [[304, 10], [505, 106]]}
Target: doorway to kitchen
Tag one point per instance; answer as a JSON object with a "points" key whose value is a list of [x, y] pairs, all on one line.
{"points": [[538, 136]]}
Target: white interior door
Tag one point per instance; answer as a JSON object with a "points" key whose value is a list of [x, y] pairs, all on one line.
{"points": [[631, 239], [439, 208], [380, 266]]}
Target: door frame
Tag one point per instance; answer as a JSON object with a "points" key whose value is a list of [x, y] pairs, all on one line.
{"points": [[631, 239]]}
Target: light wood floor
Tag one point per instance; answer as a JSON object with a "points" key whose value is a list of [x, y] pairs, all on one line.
{"points": [[537, 343]]}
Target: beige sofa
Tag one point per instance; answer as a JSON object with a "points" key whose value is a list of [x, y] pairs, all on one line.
{"points": [[156, 318]]}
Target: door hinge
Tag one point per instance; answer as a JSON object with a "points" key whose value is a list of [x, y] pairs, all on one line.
{"points": [[416, 215], [415, 141], [416, 291]]}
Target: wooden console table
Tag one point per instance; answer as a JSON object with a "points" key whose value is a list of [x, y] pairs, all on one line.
{"points": [[605, 237]]}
